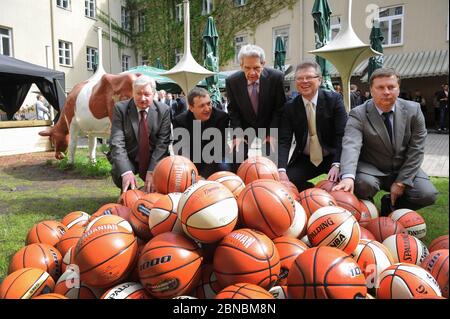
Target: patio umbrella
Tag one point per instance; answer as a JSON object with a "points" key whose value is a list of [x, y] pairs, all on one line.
{"points": [[211, 59], [158, 64], [280, 54], [376, 43], [321, 14], [162, 82]]}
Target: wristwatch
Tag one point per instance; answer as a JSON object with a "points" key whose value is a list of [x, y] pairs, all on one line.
{"points": [[338, 165]]}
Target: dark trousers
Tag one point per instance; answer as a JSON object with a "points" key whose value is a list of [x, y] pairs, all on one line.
{"points": [[442, 116], [302, 170]]}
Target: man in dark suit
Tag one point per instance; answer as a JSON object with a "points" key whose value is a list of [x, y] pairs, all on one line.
{"points": [[383, 148], [317, 120], [207, 152], [140, 136], [442, 99], [255, 97]]}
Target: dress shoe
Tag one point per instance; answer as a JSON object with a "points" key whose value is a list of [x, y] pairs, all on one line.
{"points": [[386, 206]]}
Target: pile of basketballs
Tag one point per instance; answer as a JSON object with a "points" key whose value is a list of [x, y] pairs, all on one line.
{"points": [[240, 236]]}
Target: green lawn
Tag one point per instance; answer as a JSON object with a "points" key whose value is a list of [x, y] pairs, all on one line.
{"points": [[50, 190]]}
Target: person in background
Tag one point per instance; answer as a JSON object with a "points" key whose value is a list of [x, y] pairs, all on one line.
{"points": [[355, 98], [421, 100], [442, 99], [42, 112]]}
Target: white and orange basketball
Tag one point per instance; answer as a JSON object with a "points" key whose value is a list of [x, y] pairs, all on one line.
{"points": [[163, 215], [230, 180], [109, 219], [127, 290], [406, 248], [174, 174], [412, 221], [207, 211], [257, 167], [368, 211], [436, 263], [298, 226], [78, 217], [26, 283], [70, 286]]}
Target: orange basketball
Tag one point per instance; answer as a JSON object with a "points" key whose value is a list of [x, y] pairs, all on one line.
{"points": [[129, 197], [207, 211], [174, 174], [335, 227], [298, 226], [406, 248], [163, 215], [247, 256], [368, 211], [411, 220], [69, 239], [67, 259], [292, 189], [348, 201], [50, 296], [75, 218], [265, 205], [257, 167], [436, 264], [26, 283], [326, 185], [139, 215], [41, 256], [169, 265], [105, 255], [113, 209], [70, 286], [244, 291], [383, 227], [288, 249], [230, 180], [325, 273], [365, 234], [208, 287], [406, 281], [313, 198], [46, 232], [127, 290], [440, 242], [109, 219]]}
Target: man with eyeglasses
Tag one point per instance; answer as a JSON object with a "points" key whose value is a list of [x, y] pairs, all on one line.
{"points": [[255, 97], [317, 120]]}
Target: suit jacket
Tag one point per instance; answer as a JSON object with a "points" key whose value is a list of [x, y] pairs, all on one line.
{"points": [[368, 149], [271, 100], [330, 126], [218, 119], [124, 141]]}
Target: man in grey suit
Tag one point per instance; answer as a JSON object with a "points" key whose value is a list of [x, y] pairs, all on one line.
{"points": [[140, 136], [383, 148]]}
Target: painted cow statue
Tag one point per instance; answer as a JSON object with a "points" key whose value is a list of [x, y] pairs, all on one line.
{"points": [[88, 109]]}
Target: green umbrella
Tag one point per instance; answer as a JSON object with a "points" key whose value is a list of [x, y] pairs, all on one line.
{"points": [[280, 54], [376, 42], [211, 59], [321, 14], [158, 64], [162, 82]]}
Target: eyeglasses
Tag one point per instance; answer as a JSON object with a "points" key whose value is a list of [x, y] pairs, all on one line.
{"points": [[306, 78]]}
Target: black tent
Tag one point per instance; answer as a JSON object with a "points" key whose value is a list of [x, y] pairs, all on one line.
{"points": [[16, 78]]}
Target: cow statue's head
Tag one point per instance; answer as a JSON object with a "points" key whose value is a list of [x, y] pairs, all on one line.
{"points": [[59, 140]]}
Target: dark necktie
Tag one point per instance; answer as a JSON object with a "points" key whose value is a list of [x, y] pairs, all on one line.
{"points": [[387, 123], [144, 146], [254, 98]]}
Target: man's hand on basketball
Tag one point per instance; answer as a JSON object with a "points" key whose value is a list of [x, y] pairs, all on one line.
{"points": [[128, 181], [333, 174], [148, 185], [396, 192], [283, 176], [347, 184]]}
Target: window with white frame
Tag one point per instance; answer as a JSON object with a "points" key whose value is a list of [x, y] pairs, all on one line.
{"points": [[238, 3], [89, 8], [125, 62], [5, 41], [207, 7], [125, 18], [65, 53], [178, 56], [91, 58], [65, 4], [179, 12], [239, 42], [391, 25], [335, 26], [283, 32], [141, 21]]}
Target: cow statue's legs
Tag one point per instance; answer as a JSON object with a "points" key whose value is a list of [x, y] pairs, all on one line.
{"points": [[92, 148], [73, 140]]}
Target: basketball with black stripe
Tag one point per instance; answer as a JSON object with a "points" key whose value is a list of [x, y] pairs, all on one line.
{"points": [[50, 296], [265, 205], [41, 256], [298, 226], [46, 232], [163, 215], [326, 185], [169, 265], [140, 213], [76, 218], [406, 281], [248, 256], [244, 291], [288, 249], [292, 189], [257, 167], [129, 197], [26, 283], [174, 174], [406, 248], [368, 211], [365, 234], [440, 242], [325, 273], [69, 285], [436, 263], [348, 201], [127, 290], [208, 287], [230, 180], [335, 227], [314, 198], [413, 222], [207, 211], [113, 209], [105, 255], [383, 227], [109, 219]]}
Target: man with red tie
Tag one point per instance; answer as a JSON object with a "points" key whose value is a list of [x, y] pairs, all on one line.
{"points": [[140, 136]]}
